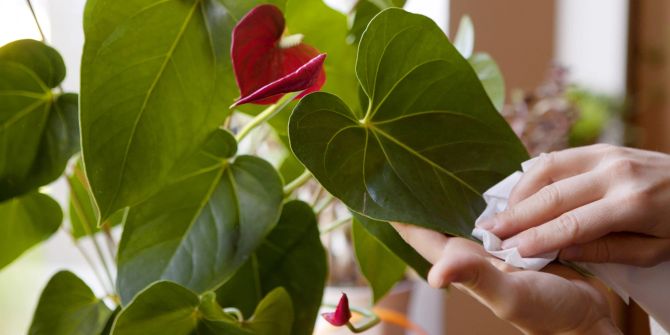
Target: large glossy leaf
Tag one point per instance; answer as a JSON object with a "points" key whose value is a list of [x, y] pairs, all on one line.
{"points": [[489, 74], [155, 83], [67, 306], [430, 143], [39, 131], [167, 308], [384, 233], [43, 60], [291, 257], [24, 222], [203, 226], [381, 267]]}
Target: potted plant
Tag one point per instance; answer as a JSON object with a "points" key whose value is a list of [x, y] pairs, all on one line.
{"points": [[391, 120]]}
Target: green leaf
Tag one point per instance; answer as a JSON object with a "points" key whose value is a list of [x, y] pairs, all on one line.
{"points": [[364, 11], [201, 228], [155, 82], [26, 221], [163, 308], [464, 41], [489, 74], [42, 59], [381, 267], [82, 211], [271, 314], [292, 250], [431, 142], [25, 102], [67, 306], [167, 308], [29, 159], [384, 233]]}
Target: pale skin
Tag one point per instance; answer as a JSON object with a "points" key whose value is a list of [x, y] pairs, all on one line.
{"points": [[554, 301], [598, 203]]}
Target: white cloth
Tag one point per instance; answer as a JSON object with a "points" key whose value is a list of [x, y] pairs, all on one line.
{"points": [[649, 287]]}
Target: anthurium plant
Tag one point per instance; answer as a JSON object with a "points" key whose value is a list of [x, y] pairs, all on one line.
{"points": [[379, 110]]}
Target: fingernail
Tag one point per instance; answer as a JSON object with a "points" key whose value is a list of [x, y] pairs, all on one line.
{"points": [[510, 243], [571, 252], [487, 224]]}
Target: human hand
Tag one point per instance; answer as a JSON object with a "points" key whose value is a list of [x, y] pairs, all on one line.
{"points": [[535, 302], [599, 203]]}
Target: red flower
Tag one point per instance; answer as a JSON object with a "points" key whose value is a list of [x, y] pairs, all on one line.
{"points": [[268, 64], [341, 315]]}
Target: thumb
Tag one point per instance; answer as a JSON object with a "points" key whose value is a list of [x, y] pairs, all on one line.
{"points": [[632, 249]]}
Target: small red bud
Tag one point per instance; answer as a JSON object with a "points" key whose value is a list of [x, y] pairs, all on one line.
{"points": [[341, 315]]}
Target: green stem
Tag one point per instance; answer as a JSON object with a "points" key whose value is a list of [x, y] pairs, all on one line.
{"points": [[37, 22], [335, 225], [265, 115], [87, 230], [109, 239], [90, 263], [323, 203], [296, 183]]}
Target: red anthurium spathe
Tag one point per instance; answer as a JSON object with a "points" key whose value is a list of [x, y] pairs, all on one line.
{"points": [[341, 315], [268, 64]]}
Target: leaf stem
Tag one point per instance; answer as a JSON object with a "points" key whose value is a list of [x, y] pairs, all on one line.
{"points": [[87, 230], [323, 203], [296, 183], [265, 115], [37, 22], [90, 262], [335, 225]]}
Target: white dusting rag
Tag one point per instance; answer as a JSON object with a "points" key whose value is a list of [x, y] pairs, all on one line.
{"points": [[649, 287]]}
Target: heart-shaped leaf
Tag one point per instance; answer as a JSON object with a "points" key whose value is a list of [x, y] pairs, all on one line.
{"points": [[68, 306], [202, 227], [155, 82], [169, 309], [430, 143], [381, 267], [44, 60], [268, 64], [292, 250], [29, 159], [26, 221]]}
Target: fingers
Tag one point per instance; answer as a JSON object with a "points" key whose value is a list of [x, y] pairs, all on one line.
{"points": [[476, 274], [629, 249], [553, 167], [547, 204], [578, 226], [428, 243]]}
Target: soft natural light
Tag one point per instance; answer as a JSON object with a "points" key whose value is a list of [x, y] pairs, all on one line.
{"points": [[16, 22]]}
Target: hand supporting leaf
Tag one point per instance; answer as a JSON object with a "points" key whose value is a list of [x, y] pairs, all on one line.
{"points": [[430, 143]]}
